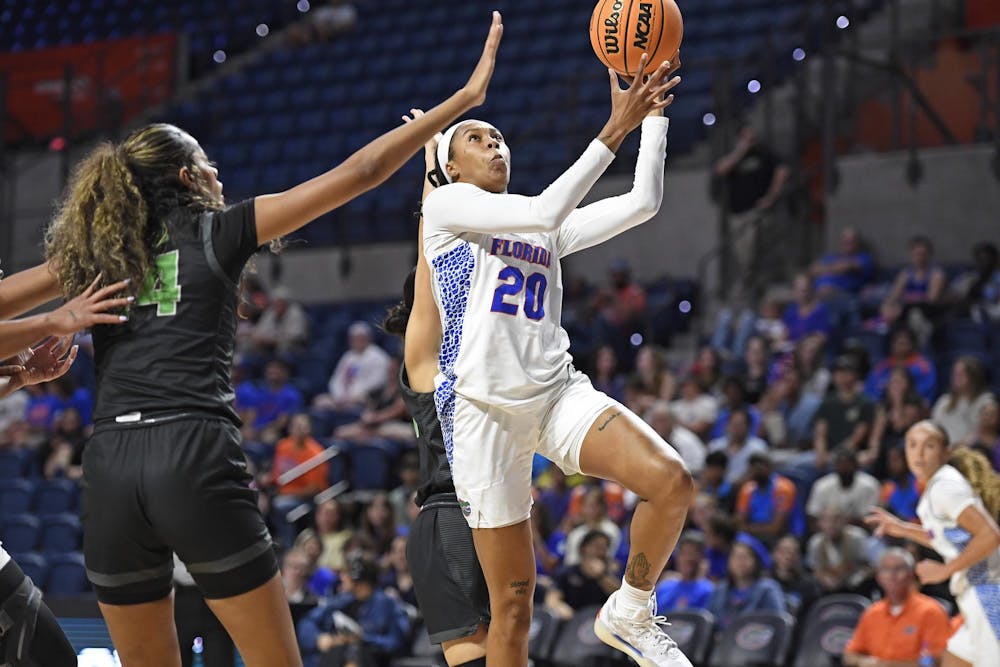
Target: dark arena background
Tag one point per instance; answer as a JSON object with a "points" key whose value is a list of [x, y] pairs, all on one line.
{"points": [[822, 274]]}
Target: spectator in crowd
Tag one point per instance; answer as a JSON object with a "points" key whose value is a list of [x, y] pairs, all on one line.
{"points": [[900, 627], [362, 626], [921, 283], [322, 580], [396, 579], [606, 377], [808, 359], [979, 291], [845, 272], [986, 439], [295, 449], [283, 327], [800, 588], [844, 418], [295, 578], [652, 380], [593, 511], [771, 326], [899, 493], [707, 369], [753, 173], [362, 371], [754, 369], [12, 411], [273, 404], [713, 482], [735, 397], [71, 395], [556, 495], [787, 414], [548, 554], [40, 412], [899, 408], [614, 499], [327, 20], [903, 352], [958, 410], [384, 416], [61, 455], [623, 304], [379, 522], [765, 501], [696, 409], [719, 537], [334, 533], [746, 586], [401, 498], [661, 417], [851, 491], [738, 445], [689, 589], [806, 315], [594, 577], [838, 553]]}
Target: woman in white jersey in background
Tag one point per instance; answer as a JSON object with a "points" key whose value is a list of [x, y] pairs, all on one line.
{"points": [[507, 387], [954, 523]]}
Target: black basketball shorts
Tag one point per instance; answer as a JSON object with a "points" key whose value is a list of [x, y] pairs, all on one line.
{"points": [[448, 581], [180, 485]]}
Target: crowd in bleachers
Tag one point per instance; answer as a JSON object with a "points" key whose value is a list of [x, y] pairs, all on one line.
{"points": [[790, 420]]}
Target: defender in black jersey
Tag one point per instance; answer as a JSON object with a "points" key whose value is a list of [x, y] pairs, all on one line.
{"points": [[164, 471]]}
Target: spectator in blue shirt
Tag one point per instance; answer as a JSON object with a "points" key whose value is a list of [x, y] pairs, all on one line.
{"points": [[807, 314], [712, 480], [903, 352], [690, 590], [362, 625], [746, 587], [735, 393], [844, 272], [274, 403]]}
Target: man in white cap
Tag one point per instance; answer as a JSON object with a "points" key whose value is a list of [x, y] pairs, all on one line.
{"points": [[362, 370]]}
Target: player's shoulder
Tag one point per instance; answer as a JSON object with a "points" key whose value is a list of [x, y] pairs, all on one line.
{"points": [[447, 194]]}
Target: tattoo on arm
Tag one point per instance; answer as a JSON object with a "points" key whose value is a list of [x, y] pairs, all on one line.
{"points": [[607, 421], [637, 572], [520, 587]]}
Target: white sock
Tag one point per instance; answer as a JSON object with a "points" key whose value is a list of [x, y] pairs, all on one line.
{"points": [[631, 600]]}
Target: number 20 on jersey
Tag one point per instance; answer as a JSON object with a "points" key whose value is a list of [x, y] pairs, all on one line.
{"points": [[513, 283]]}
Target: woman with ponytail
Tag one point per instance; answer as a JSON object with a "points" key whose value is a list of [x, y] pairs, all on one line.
{"points": [[958, 520], [164, 472]]}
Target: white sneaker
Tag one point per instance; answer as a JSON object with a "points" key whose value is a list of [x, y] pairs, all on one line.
{"points": [[640, 637]]}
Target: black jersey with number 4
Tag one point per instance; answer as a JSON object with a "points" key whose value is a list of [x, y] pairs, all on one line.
{"points": [[175, 351], [435, 473]]}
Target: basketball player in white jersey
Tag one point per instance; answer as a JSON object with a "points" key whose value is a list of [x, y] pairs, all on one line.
{"points": [[507, 388], [954, 523]]}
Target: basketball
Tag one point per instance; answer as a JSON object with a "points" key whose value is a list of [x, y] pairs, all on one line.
{"points": [[622, 30]]}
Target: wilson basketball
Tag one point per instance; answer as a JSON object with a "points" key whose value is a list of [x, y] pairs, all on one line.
{"points": [[622, 30]]}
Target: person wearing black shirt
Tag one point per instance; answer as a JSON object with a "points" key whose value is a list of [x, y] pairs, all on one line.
{"points": [[595, 577], [164, 471], [447, 578]]}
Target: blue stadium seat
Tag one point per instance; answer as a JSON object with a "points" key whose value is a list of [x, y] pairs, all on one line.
{"points": [[578, 645], [60, 533], [12, 464], [19, 532], [824, 638], [370, 467], [16, 496], [55, 496], [34, 565], [67, 575], [754, 638], [693, 630]]}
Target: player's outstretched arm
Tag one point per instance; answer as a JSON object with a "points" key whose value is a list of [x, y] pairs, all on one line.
{"points": [[26, 290], [282, 213], [448, 207]]}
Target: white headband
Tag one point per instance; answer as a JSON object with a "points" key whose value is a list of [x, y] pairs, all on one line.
{"points": [[444, 146]]}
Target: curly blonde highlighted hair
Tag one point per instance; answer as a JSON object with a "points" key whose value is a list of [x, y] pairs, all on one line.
{"points": [[984, 480], [115, 211]]}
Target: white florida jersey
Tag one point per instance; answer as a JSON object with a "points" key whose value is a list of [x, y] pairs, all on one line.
{"points": [[948, 493], [494, 261]]}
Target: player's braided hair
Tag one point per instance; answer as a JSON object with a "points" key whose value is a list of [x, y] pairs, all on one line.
{"points": [[976, 468], [399, 314], [114, 213]]}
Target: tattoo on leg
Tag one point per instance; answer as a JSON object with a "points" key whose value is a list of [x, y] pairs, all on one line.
{"points": [[520, 587], [608, 421], [637, 572]]}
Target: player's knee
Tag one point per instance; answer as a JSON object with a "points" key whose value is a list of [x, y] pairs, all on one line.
{"points": [[672, 483], [511, 614]]}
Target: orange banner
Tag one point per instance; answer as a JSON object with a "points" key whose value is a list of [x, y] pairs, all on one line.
{"points": [[111, 83]]}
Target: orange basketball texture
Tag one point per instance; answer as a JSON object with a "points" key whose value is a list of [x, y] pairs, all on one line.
{"points": [[622, 30]]}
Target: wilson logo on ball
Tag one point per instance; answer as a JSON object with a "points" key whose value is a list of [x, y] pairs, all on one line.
{"points": [[620, 32]]}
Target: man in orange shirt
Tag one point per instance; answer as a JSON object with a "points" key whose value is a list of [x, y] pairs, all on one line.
{"points": [[765, 501], [298, 448], [893, 631]]}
